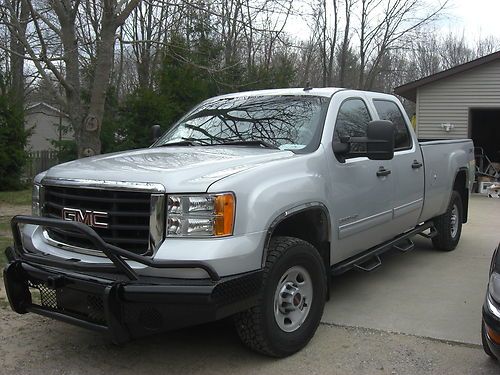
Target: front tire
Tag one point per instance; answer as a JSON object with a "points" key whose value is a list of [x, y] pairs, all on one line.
{"points": [[449, 225], [291, 303]]}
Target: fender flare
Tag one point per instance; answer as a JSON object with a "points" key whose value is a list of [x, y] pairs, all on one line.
{"points": [[290, 213]]}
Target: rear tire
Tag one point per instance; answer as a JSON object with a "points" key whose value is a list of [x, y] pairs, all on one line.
{"points": [[449, 225], [291, 302]]}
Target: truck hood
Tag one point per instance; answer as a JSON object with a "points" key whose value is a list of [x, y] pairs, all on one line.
{"points": [[179, 169]]}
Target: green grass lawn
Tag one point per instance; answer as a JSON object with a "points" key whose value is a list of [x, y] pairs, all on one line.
{"points": [[8, 199], [4, 226], [17, 198], [5, 239], [21, 197], [4, 242]]}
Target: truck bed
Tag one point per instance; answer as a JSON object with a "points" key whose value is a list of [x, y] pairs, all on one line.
{"points": [[442, 158]]}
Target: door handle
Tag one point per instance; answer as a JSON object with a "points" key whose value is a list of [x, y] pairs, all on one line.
{"points": [[382, 172], [416, 164]]}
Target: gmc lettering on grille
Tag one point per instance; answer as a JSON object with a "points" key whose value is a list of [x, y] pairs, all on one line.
{"points": [[94, 219]]}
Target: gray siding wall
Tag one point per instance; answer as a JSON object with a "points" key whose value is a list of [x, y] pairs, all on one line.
{"points": [[449, 100], [44, 126]]}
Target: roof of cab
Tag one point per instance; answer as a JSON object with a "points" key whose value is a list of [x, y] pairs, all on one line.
{"points": [[326, 92], [323, 91]]}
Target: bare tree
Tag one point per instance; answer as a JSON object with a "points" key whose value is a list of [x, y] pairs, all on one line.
{"points": [[455, 51], [345, 45], [380, 33], [329, 30], [78, 33], [17, 51]]}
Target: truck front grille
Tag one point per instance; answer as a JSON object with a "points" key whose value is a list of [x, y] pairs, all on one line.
{"points": [[128, 216]]}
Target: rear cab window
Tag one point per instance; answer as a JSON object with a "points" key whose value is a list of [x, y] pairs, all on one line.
{"points": [[388, 110]]}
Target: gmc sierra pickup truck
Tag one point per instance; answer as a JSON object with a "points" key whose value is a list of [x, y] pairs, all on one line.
{"points": [[244, 208]]}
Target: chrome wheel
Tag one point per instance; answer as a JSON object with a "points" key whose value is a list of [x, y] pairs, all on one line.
{"points": [[293, 298], [454, 221]]}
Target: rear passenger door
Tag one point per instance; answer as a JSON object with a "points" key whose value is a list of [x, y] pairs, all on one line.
{"points": [[408, 171]]}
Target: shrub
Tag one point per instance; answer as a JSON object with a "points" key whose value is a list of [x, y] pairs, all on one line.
{"points": [[13, 138]]}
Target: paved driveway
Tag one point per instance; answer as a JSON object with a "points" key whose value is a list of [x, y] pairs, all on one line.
{"points": [[424, 292]]}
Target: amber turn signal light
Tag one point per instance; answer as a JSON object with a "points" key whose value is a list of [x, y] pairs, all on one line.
{"points": [[224, 214], [494, 336]]}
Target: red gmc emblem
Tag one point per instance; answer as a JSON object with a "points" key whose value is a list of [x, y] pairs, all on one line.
{"points": [[91, 218]]}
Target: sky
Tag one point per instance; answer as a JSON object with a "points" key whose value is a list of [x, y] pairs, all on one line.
{"points": [[475, 18], [479, 18]]}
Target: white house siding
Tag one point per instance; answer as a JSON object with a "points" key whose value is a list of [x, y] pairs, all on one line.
{"points": [[448, 101]]}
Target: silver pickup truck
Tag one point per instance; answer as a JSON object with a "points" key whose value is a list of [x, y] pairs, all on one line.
{"points": [[244, 208]]}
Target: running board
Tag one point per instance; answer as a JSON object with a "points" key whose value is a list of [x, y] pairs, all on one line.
{"points": [[359, 259], [433, 233], [370, 265], [405, 246]]}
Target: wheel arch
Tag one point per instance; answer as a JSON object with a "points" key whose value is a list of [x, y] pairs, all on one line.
{"points": [[293, 223], [460, 184]]}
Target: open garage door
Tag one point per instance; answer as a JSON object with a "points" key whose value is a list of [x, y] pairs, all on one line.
{"points": [[484, 128]]}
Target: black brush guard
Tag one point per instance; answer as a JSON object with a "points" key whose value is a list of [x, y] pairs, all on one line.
{"points": [[112, 297]]}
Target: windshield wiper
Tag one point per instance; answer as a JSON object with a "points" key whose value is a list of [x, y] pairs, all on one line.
{"points": [[184, 142], [180, 143], [253, 142]]}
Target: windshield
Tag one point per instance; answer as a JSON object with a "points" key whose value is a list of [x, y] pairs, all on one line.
{"points": [[284, 122]]}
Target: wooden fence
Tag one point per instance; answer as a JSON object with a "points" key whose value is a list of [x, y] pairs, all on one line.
{"points": [[39, 161]]}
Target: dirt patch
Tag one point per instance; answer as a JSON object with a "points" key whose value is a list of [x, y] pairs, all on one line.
{"points": [[9, 210], [35, 345]]}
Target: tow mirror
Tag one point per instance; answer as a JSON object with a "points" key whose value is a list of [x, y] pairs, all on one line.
{"points": [[380, 145], [379, 142], [155, 132], [342, 147]]}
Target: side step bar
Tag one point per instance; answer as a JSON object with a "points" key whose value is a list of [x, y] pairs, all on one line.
{"points": [[358, 261], [433, 233], [405, 246], [370, 265]]}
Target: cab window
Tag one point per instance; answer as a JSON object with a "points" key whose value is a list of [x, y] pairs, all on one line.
{"points": [[352, 121], [388, 110]]}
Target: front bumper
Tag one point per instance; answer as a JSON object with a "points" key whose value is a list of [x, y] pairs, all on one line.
{"points": [[491, 320], [117, 301]]}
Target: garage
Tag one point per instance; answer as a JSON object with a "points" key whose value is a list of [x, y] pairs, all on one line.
{"points": [[462, 102], [485, 132]]}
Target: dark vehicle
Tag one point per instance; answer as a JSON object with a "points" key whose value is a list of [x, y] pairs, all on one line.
{"points": [[490, 329]]}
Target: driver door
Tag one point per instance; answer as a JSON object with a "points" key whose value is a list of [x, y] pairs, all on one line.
{"points": [[361, 189]]}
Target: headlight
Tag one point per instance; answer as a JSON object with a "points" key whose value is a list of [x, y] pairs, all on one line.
{"points": [[36, 200], [494, 287], [201, 215], [495, 260]]}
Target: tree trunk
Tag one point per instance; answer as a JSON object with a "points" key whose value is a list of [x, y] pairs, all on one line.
{"points": [[345, 45], [17, 54], [74, 107], [89, 143]]}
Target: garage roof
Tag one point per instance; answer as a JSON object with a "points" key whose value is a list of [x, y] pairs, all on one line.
{"points": [[409, 90]]}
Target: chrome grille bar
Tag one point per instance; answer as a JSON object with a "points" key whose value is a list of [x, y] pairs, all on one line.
{"points": [[156, 222]]}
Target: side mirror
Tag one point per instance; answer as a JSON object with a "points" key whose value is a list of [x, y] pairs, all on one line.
{"points": [[155, 132], [380, 145], [341, 148]]}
